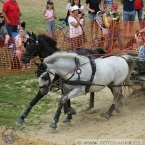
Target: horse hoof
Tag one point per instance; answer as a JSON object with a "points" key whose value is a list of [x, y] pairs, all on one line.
{"points": [[105, 115], [52, 130], [20, 121], [53, 125], [72, 111], [117, 110], [88, 109], [66, 120]]}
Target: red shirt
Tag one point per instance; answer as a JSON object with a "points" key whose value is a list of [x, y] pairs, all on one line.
{"points": [[12, 11], [138, 4]]}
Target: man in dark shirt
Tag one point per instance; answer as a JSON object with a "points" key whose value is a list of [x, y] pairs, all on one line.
{"points": [[93, 6]]}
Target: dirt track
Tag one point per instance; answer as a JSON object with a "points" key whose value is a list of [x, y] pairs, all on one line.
{"points": [[129, 124]]}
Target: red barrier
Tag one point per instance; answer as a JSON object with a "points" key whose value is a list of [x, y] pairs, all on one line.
{"points": [[90, 38]]}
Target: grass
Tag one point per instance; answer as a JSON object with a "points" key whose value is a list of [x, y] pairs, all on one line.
{"points": [[16, 94]]}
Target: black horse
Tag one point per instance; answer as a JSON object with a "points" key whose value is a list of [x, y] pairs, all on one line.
{"points": [[44, 46]]}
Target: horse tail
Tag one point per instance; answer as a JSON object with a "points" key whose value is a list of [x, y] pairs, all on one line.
{"points": [[127, 81]]}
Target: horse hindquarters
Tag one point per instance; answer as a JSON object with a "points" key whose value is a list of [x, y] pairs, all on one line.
{"points": [[130, 63]]}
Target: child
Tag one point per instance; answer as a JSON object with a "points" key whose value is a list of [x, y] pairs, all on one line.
{"points": [[49, 16], [106, 24], [114, 20]]}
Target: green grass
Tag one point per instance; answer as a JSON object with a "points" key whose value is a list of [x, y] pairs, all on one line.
{"points": [[15, 95]]}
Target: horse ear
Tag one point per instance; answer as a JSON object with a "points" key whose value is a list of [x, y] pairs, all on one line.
{"points": [[33, 35], [29, 34], [44, 66], [36, 63]]}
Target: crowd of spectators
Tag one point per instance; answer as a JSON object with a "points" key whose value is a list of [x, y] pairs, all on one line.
{"points": [[75, 19]]}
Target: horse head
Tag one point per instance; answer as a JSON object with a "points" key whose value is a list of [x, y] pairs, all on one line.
{"points": [[41, 45], [45, 77], [31, 48]]}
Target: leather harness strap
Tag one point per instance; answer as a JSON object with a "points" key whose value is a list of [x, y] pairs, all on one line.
{"points": [[88, 84]]}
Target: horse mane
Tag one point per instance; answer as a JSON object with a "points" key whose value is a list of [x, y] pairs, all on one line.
{"points": [[51, 42], [54, 57]]}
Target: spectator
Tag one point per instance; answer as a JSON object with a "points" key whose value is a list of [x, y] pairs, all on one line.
{"points": [[115, 20], [106, 24], [11, 13], [138, 6], [68, 5], [68, 11], [76, 23], [3, 32], [77, 3], [93, 7], [128, 16], [19, 42], [106, 2], [50, 16]]}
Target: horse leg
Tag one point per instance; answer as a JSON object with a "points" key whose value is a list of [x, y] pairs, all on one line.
{"points": [[117, 101], [53, 125], [91, 102], [120, 101], [27, 110], [70, 112]]}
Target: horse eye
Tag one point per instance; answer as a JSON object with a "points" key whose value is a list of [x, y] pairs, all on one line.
{"points": [[45, 77]]}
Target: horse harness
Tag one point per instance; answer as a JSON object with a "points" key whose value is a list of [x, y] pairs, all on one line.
{"points": [[77, 70], [89, 83]]}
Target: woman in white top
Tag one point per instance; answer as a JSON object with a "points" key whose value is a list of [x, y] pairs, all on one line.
{"points": [[76, 23], [19, 42], [69, 4], [77, 3]]}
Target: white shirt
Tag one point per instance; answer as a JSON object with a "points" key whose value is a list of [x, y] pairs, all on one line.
{"points": [[49, 13], [68, 6], [74, 32], [81, 8]]}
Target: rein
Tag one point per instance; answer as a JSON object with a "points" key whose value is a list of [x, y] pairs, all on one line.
{"points": [[78, 71], [79, 65]]}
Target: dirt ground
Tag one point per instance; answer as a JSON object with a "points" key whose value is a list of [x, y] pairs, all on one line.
{"points": [[129, 124]]}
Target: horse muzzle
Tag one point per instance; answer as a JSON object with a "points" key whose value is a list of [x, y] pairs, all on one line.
{"points": [[44, 90], [25, 60]]}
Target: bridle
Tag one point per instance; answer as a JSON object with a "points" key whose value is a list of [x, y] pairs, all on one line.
{"points": [[36, 50], [46, 76]]}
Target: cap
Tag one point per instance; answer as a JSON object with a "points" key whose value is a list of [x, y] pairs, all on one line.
{"points": [[74, 8], [49, 2], [115, 5]]}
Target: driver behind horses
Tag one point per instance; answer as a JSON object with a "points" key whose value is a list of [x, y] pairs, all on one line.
{"points": [[140, 40]]}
